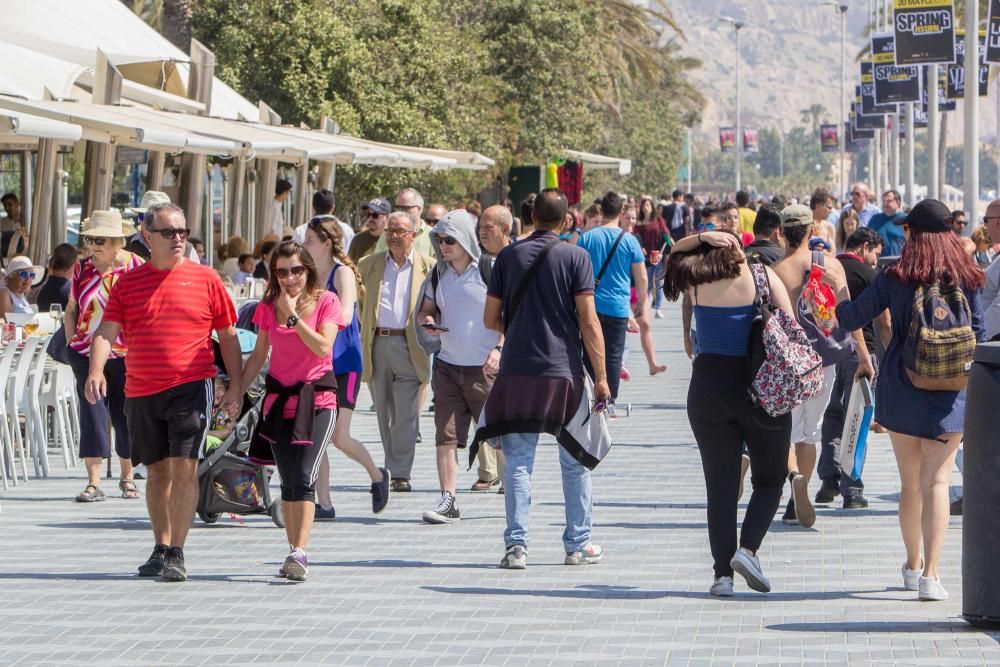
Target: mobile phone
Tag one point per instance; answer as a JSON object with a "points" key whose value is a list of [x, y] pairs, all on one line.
{"points": [[434, 327]]}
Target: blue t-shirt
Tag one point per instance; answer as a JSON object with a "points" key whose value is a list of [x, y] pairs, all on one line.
{"points": [[613, 294], [893, 236]]}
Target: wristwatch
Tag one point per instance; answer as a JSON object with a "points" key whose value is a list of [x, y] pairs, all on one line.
{"points": [[292, 320], [498, 348]]}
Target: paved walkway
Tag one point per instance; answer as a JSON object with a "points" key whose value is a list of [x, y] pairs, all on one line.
{"points": [[392, 590]]}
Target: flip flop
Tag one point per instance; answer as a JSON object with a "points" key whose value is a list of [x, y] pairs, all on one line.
{"points": [[88, 496]]}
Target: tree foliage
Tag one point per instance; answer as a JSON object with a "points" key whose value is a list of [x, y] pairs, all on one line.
{"points": [[515, 80]]}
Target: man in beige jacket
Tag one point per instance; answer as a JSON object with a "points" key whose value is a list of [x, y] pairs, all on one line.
{"points": [[394, 363]]}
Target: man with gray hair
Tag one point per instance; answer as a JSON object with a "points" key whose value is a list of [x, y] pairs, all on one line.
{"points": [[166, 310], [394, 363], [411, 202], [860, 204]]}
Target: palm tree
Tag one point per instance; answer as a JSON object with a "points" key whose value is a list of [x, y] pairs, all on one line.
{"points": [[813, 114]]}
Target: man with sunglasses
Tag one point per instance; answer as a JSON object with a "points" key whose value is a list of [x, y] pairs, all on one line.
{"points": [[137, 244], [392, 359], [167, 310], [376, 214], [860, 204]]}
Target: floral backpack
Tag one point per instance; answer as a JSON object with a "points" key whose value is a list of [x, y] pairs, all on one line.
{"points": [[785, 370]]}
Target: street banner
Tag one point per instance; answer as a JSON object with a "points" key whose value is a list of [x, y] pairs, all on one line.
{"points": [[993, 33], [829, 142], [751, 140], [860, 132], [727, 139], [924, 31], [868, 104], [919, 117], [863, 121], [944, 104], [893, 83], [852, 142], [956, 73]]}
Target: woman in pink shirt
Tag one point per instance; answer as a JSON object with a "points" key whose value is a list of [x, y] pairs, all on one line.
{"points": [[297, 323]]}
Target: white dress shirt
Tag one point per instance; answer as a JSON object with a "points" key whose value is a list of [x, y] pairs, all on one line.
{"points": [[394, 293], [277, 220]]}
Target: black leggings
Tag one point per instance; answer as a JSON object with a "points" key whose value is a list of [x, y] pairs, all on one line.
{"points": [[722, 420], [298, 465]]}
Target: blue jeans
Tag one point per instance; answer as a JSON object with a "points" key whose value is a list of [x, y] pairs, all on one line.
{"points": [[519, 450], [654, 278], [614, 330]]}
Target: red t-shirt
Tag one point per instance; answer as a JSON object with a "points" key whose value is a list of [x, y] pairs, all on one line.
{"points": [[167, 318]]}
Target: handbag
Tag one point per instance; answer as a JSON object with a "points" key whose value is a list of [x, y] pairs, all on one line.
{"points": [[58, 348], [784, 369]]}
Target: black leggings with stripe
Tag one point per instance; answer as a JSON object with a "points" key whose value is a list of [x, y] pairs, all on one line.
{"points": [[298, 465]]}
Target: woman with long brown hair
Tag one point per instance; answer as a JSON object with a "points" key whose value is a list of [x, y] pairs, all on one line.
{"points": [[325, 242], [925, 426], [297, 323], [712, 269]]}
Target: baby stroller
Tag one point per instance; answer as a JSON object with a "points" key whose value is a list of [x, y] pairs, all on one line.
{"points": [[228, 481]]}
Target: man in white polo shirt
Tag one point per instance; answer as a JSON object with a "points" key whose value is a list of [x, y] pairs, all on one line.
{"points": [[451, 310]]}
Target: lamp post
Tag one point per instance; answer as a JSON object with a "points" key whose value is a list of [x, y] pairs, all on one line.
{"points": [[737, 26], [971, 170], [841, 8]]}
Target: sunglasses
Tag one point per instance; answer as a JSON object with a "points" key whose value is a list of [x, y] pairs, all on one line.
{"points": [[294, 271], [433, 221], [397, 232], [857, 194], [171, 233], [706, 228], [94, 240], [405, 207], [446, 240], [25, 275]]}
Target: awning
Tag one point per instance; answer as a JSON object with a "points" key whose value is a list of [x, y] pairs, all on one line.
{"points": [[24, 126], [595, 161], [120, 125]]}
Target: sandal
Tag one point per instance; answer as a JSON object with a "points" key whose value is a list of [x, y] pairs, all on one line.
{"points": [[129, 489], [88, 496]]}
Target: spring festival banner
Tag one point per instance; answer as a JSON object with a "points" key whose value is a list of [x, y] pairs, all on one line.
{"points": [[924, 31], [893, 83]]}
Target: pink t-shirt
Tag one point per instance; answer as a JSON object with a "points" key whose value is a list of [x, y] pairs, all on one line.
{"points": [[291, 361]]}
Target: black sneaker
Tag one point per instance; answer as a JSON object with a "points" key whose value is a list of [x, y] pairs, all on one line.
{"points": [[957, 507], [154, 564], [828, 490], [789, 518], [380, 492], [445, 512], [323, 514], [173, 565], [855, 501]]}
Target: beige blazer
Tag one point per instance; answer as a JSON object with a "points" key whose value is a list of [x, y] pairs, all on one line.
{"points": [[372, 268]]}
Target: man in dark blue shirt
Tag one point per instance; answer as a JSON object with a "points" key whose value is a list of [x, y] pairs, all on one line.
{"points": [[893, 236], [55, 289]]}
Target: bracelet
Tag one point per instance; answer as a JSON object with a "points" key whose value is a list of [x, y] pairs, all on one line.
{"points": [[498, 348]]}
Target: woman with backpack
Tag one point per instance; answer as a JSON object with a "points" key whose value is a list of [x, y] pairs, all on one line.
{"points": [[932, 294], [712, 269]]}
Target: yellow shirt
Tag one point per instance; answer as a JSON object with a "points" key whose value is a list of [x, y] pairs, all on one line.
{"points": [[747, 216]]}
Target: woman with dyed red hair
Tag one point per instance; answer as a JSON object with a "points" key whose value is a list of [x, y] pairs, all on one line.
{"points": [[925, 426]]}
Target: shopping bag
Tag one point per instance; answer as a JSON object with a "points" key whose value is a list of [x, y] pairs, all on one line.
{"points": [[857, 420]]}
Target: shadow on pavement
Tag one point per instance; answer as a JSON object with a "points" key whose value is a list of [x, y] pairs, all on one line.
{"points": [[603, 592], [880, 627], [405, 564]]}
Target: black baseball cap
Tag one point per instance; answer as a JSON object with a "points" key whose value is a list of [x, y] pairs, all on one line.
{"points": [[929, 215]]}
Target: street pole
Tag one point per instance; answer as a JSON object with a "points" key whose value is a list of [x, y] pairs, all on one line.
{"points": [[911, 138], [971, 171], [895, 150], [933, 115], [690, 147], [842, 8], [739, 126]]}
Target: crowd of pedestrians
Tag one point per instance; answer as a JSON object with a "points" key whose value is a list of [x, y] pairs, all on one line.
{"points": [[513, 322]]}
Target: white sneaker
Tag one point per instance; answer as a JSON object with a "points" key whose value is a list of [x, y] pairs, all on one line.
{"points": [[589, 555], [722, 587], [748, 566], [659, 314], [931, 589], [911, 578]]}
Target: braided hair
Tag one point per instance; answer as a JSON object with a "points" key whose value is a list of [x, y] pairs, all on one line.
{"points": [[327, 229]]}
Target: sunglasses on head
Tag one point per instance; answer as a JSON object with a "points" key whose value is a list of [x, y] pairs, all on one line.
{"points": [[294, 271], [94, 240], [25, 275], [172, 233], [446, 240]]}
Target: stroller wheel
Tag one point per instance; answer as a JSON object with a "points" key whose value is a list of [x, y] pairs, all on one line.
{"points": [[277, 513], [208, 517]]}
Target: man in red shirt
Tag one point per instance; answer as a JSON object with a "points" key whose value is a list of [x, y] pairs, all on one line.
{"points": [[167, 310]]}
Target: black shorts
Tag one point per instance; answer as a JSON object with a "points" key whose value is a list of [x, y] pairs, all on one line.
{"points": [[172, 423], [348, 385]]}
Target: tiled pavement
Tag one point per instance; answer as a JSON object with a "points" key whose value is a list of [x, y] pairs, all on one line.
{"points": [[392, 590]]}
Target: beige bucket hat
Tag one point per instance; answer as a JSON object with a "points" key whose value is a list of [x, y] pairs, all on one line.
{"points": [[108, 224]]}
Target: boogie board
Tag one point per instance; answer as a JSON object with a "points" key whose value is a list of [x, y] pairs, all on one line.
{"points": [[857, 420]]}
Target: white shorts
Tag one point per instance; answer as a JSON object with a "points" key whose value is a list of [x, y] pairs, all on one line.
{"points": [[807, 419]]}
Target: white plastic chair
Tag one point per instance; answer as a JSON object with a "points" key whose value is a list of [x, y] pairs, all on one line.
{"points": [[58, 392], [6, 438], [16, 386], [33, 415]]}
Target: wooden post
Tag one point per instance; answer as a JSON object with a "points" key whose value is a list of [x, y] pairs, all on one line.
{"points": [[192, 177], [100, 161], [267, 175]]}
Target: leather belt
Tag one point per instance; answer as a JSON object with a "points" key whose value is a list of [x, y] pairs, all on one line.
{"points": [[389, 332]]}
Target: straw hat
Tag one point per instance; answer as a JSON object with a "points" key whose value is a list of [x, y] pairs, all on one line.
{"points": [[22, 263], [108, 224], [151, 198]]}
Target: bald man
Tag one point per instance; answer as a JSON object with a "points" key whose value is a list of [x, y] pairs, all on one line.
{"points": [[434, 213], [494, 235], [860, 204]]}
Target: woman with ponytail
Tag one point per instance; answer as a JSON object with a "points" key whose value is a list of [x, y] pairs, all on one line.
{"points": [[325, 242]]}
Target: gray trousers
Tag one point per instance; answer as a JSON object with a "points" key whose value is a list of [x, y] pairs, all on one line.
{"points": [[395, 387]]}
